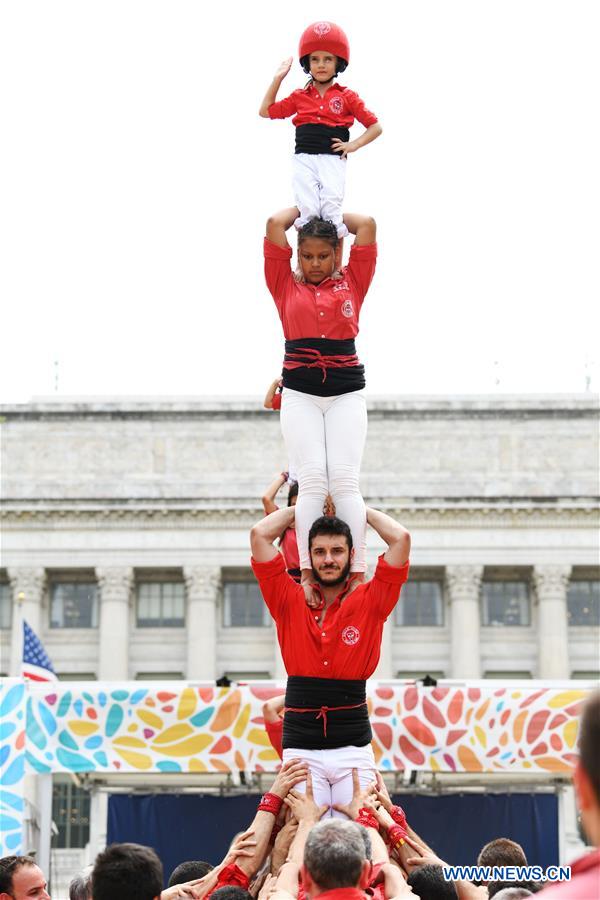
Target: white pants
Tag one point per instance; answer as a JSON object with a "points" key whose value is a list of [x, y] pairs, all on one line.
{"points": [[319, 180], [331, 772], [325, 436]]}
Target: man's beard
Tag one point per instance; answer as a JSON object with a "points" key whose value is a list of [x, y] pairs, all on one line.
{"points": [[337, 581]]}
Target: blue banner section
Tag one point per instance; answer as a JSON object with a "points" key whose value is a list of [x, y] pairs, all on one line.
{"points": [[192, 826]]}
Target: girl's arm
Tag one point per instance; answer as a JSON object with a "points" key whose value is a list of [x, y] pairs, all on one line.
{"points": [[271, 94], [368, 135], [278, 224], [268, 498], [363, 227]]}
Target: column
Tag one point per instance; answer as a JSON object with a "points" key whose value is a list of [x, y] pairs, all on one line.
{"points": [[384, 668], [203, 584], [463, 584], [28, 591], [115, 592], [553, 630]]}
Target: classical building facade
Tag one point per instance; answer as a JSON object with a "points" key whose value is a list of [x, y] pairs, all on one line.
{"points": [[125, 535]]}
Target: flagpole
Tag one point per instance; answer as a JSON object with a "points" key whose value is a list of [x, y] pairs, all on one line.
{"points": [[16, 641]]}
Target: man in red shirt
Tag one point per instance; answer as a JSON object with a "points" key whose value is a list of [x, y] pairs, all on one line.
{"points": [[330, 651], [585, 871]]}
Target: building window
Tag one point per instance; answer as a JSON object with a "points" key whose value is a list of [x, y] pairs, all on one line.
{"points": [[517, 675], [583, 603], [76, 676], [159, 676], [421, 604], [243, 605], [505, 603], [5, 605], [73, 604], [235, 677], [160, 604], [71, 813]]}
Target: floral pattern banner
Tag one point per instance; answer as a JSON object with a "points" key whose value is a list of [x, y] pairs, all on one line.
{"points": [[12, 765], [113, 727]]}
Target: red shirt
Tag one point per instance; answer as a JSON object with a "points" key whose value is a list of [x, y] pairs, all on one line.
{"points": [[347, 644], [584, 883], [327, 310], [289, 549], [275, 733], [338, 107]]}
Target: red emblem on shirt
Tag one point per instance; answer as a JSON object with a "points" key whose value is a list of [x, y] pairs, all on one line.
{"points": [[347, 308], [350, 635], [336, 105], [322, 28]]}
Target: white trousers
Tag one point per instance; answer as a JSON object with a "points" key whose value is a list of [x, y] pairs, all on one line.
{"points": [[319, 180], [331, 772], [325, 436]]}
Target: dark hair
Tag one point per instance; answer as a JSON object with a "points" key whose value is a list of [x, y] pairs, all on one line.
{"points": [[494, 887], [187, 871], [329, 525], [502, 852], [341, 64], [323, 229], [127, 872], [8, 865], [293, 492], [231, 892], [589, 741], [429, 883]]}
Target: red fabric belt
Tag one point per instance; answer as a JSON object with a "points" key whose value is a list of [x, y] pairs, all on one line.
{"points": [[308, 358], [323, 710]]}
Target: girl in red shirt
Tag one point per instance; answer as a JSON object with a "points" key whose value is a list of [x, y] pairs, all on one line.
{"points": [[323, 409]]}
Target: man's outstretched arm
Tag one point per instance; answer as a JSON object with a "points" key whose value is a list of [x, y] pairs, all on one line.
{"points": [[395, 536], [268, 530]]}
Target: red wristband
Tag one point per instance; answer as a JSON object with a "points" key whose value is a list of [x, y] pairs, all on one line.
{"points": [[365, 817], [399, 816], [270, 803], [397, 835]]}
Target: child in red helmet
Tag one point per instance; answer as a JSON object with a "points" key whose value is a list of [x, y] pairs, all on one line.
{"points": [[323, 115]]}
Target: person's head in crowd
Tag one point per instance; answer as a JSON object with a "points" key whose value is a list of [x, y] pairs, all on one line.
{"points": [[189, 871], [293, 493], [513, 893], [428, 883], [502, 852], [231, 892], [335, 857], [330, 548], [22, 879], [587, 771], [80, 887], [127, 872], [496, 888]]}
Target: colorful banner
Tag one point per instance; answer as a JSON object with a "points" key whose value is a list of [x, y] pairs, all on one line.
{"points": [[12, 764], [110, 727]]}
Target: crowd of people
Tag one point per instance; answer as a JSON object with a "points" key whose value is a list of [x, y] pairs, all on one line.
{"points": [[293, 850]]}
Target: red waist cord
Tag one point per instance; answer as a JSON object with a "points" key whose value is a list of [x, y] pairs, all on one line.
{"points": [[323, 710]]}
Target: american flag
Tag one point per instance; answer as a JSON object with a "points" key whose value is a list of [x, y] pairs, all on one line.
{"points": [[36, 662]]}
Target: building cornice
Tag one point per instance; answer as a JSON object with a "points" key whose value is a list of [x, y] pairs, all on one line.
{"points": [[199, 514]]}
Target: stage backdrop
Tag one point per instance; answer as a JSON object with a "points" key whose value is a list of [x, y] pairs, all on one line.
{"points": [[457, 825]]}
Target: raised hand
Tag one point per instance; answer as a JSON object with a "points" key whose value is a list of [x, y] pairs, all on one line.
{"points": [[283, 68], [303, 806], [291, 773], [359, 797]]}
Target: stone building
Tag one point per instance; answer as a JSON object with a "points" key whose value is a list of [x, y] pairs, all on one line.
{"points": [[125, 534]]}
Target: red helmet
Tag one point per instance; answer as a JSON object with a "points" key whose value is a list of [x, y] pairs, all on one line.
{"points": [[325, 36]]}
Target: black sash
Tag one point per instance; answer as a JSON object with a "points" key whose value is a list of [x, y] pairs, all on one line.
{"points": [[334, 713], [317, 138]]}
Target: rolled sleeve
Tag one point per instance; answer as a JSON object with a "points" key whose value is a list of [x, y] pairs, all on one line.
{"points": [[278, 272], [386, 584], [274, 582], [361, 268], [360, 111], [283, 109]]}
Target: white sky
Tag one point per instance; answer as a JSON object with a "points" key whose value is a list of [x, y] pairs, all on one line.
{"points": [[136, 177]]}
